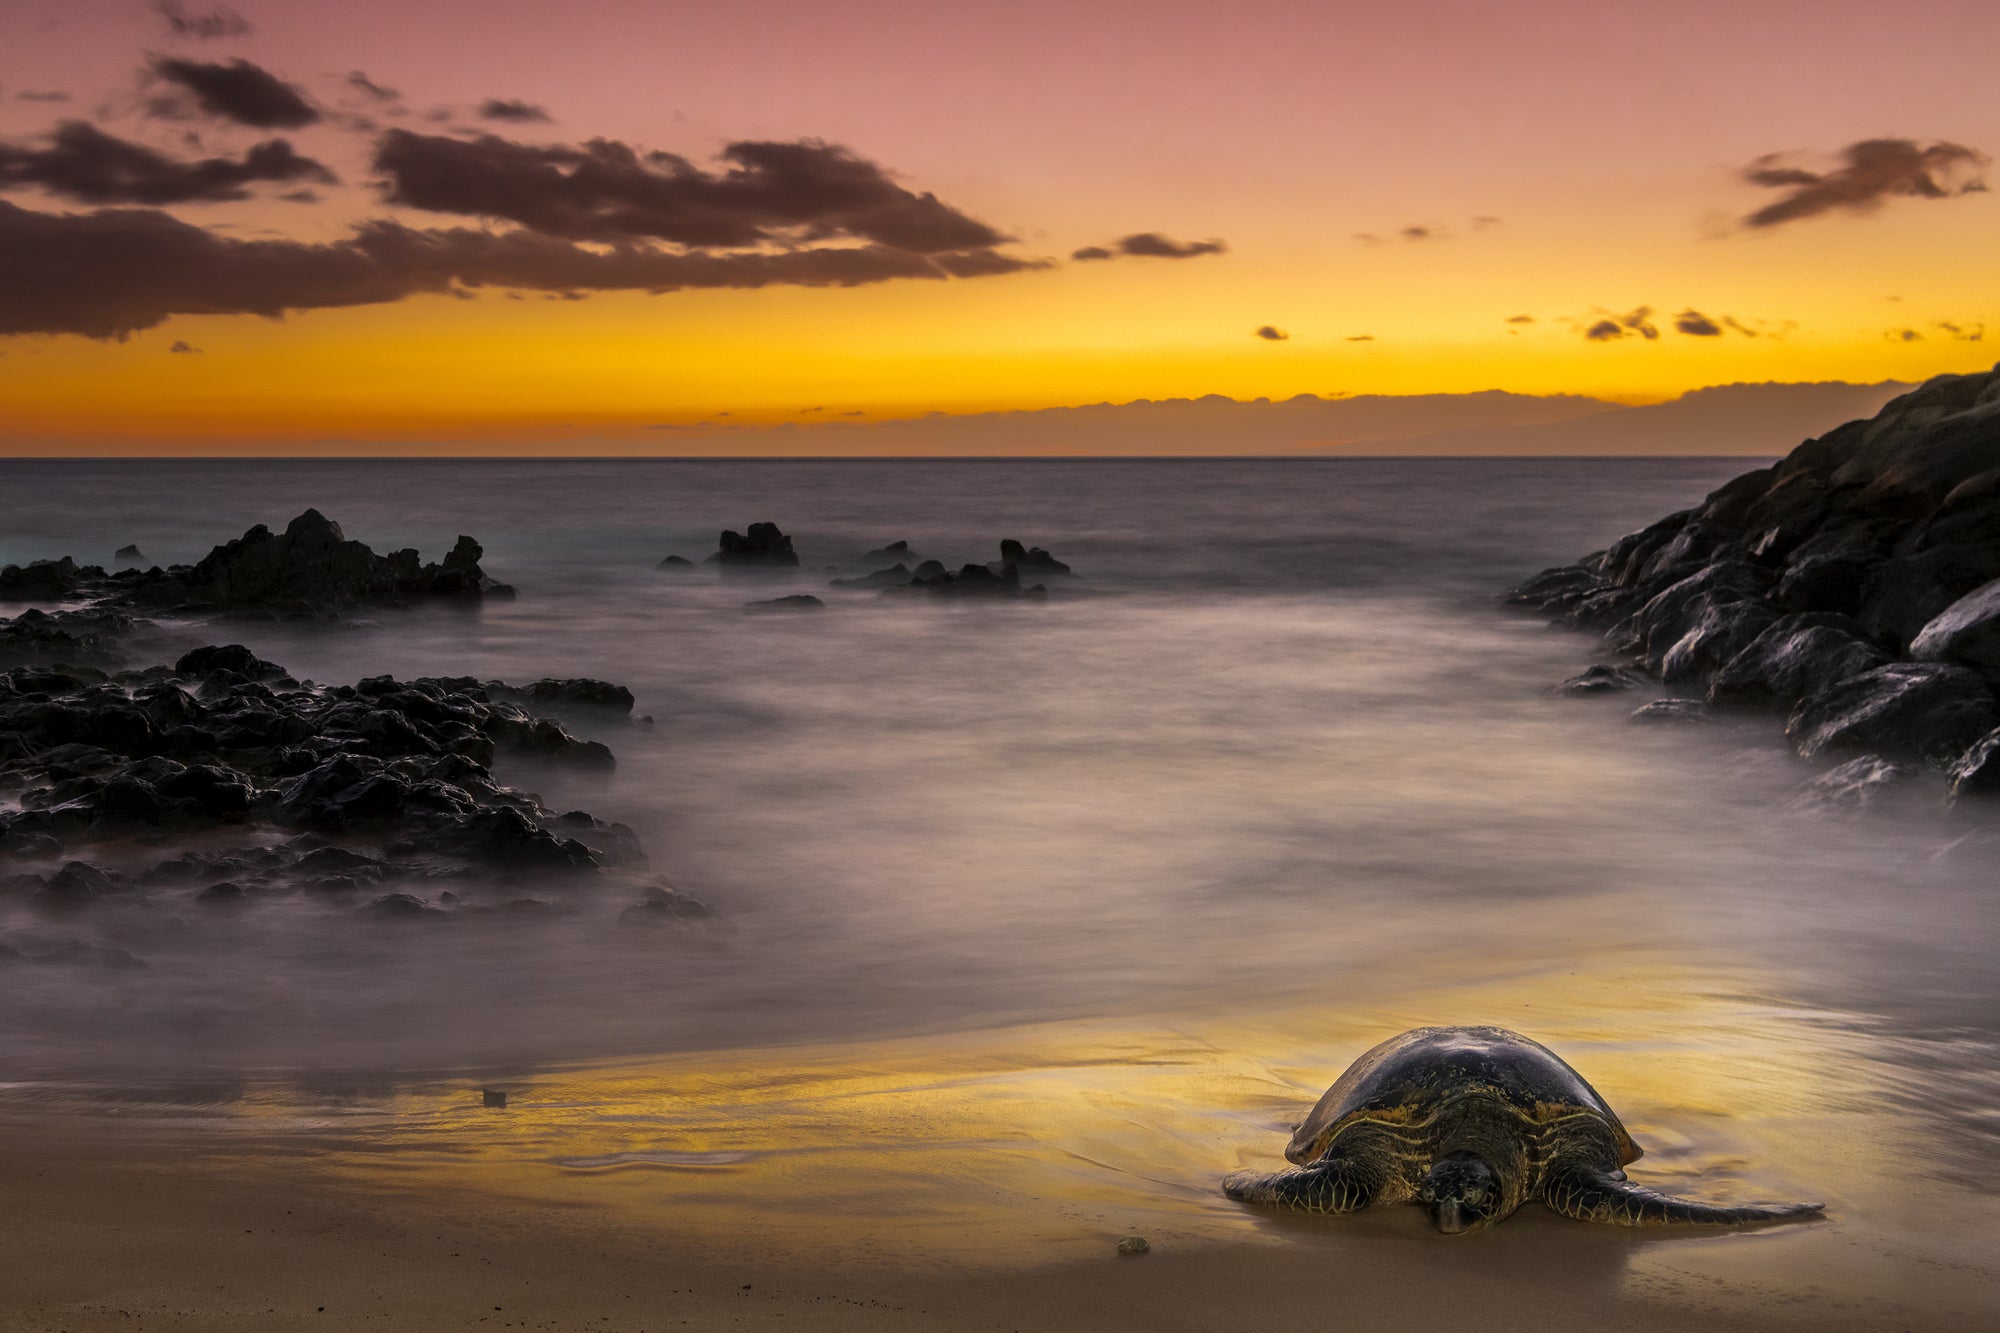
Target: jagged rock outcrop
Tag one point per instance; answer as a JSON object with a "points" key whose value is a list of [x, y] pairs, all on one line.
{"points": [[311, 569], [1855, 585]]}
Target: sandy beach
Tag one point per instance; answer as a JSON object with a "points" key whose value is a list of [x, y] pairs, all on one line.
{"points": [[977, 1181]]}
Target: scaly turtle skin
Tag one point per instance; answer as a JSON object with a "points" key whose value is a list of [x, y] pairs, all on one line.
{"points": [[1473, 1122]]}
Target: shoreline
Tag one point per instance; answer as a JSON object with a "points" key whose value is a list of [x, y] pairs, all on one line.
{"points": [[980, 1180], [116, 1239]]}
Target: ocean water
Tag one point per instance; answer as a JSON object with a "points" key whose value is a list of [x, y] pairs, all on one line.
{"points": [[1273, 777]]}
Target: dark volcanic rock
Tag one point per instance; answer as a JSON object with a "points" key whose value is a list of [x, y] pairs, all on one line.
{"points": [[895, 552], [1854, 784], [1030, 563], [580, 693], [897, 576], [1795, 656], [313, 569], [1977, 771], [1967, 631], [675, 564], [797, 602], [1672, 712], [128, 557], [231, 657], [761, 549], [1802, 586], [1600, 679], [1917, 709], [396, 771]]}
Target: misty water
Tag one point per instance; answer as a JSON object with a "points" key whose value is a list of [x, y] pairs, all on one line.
{"points": [[1275, 769]]}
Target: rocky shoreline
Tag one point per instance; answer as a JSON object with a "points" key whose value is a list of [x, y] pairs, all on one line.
{"points": [[1854, 586], [380, 794]]}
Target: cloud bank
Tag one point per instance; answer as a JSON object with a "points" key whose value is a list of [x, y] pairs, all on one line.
{"points": [[604, 190], [112, 272], [84, 163]]}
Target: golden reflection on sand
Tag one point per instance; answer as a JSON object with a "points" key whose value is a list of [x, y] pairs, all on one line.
{"points": [[1016, 1147]]}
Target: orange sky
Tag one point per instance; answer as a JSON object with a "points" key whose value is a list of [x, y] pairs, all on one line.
{"points": [[1573, 163]]}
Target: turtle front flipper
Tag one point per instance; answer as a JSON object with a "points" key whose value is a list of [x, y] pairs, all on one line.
{"points": [[1330, 1185], [1600, 1196]]}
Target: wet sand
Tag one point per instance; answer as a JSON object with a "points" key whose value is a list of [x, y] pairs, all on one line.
{"points": [[982, 1180]]}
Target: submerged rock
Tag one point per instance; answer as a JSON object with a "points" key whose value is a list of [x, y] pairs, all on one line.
{"points": [[1852, 785], [897, 576], [1600, 679], [1671, 712]]}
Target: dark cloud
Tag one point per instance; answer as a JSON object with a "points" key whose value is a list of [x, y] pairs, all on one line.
{"points": [[1152, 245], [1970, 333], [366, 86], [1361, 338], [1611, 327], [41, 95], [181, 348], [1271, 333], [507, 108], [606, 191], [83, 162], [109, 273], [1520, 319], [1486, 220], [1697, 325], [1091, 252], [1904, 335], [1872, 172], [240, 91], [1415, 233], [222, 21], [1367, 238]]}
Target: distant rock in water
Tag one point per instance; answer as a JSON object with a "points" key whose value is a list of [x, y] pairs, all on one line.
{"points": [[1011, 575], [898, 552], [1854, 585], [797, 602], [897, 576], [128, 557], [309, 570], [1030, 562], [675, 564], [761, 549]]}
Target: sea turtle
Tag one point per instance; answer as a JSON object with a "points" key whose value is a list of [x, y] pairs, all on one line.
{"points": [[1473, 1122]]}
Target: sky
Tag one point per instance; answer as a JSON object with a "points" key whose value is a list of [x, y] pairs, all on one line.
{"points": [[497, 225]]}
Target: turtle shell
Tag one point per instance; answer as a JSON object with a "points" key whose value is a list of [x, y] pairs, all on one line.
{"points": [[1408, 1078]]}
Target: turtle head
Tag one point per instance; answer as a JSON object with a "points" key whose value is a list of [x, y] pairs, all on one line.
{"points": [[1462, 1194]]}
